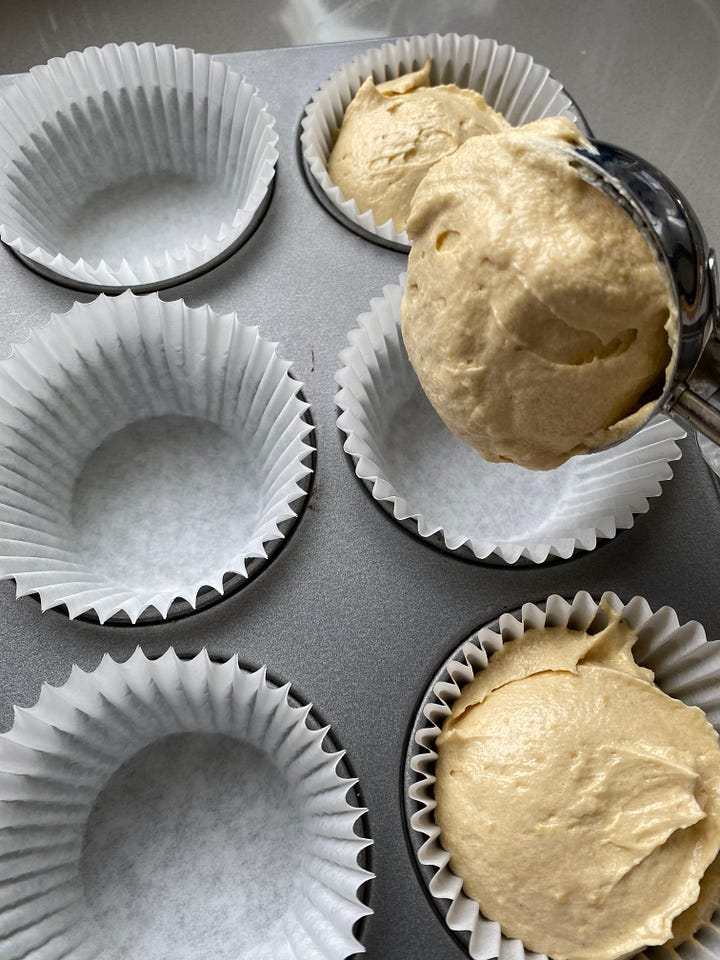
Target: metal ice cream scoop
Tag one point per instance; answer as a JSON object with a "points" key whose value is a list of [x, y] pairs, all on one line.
{"points": [[669, 223]]}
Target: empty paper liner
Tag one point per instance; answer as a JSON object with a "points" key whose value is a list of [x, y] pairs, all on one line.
{"points": [[132, 166], [176, 808], [150, 452], [511, 82], [686, 667], [444, 492]]}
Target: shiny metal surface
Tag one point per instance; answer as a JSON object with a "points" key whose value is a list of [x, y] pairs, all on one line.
{"points": [[666, 219], [710, 448], [700, 414], [670, 225]]}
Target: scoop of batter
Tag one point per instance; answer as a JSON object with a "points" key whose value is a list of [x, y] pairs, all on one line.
{"points": [[536, 316], [393, 132], [580, 804]]}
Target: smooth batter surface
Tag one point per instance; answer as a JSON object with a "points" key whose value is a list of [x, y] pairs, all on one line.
{"points": [[580, 804], [393, 132], [536, 316]]}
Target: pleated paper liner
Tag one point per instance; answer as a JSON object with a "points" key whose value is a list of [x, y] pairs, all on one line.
{"points": [[446, 494], [686, 667], [510, 81], [149, 453], [160, 808], [132, 166]]}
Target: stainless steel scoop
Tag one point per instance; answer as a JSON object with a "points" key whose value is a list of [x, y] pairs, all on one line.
{"points": [[668, 223]]}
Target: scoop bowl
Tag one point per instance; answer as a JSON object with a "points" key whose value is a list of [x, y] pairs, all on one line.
{"points": [[672, 229]]}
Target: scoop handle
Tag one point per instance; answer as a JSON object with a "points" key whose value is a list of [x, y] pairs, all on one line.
{"points": [[698, 413]]}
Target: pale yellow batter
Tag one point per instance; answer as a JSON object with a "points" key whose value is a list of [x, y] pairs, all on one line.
{"points": [[580, 804], [536, 316], [393, 132]]}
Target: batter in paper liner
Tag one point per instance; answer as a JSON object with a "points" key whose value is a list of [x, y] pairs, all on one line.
{"points": [[580, 804], [393, 132], [536, 316]]}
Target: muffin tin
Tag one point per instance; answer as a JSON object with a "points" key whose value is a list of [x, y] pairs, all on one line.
{"points": [[355, 611]]}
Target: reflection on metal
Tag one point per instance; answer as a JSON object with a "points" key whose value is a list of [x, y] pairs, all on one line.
{"points": [[327, 21], [671, 228], [710, 450]]}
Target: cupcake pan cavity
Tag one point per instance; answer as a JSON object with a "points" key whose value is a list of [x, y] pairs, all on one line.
{"points": [[149, 451], [445, 493], [510, 81], [169, 807], [355, 612], [686, 666], [132, 166]]}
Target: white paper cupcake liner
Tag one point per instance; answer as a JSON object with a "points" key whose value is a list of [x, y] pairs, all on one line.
{"points": [[686, 667], [131, 166], [148, 451], [98, 859], [445, 492], [510, 81]]}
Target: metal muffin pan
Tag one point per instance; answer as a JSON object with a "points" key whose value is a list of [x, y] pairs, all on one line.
{"points": [[355, 612]]}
